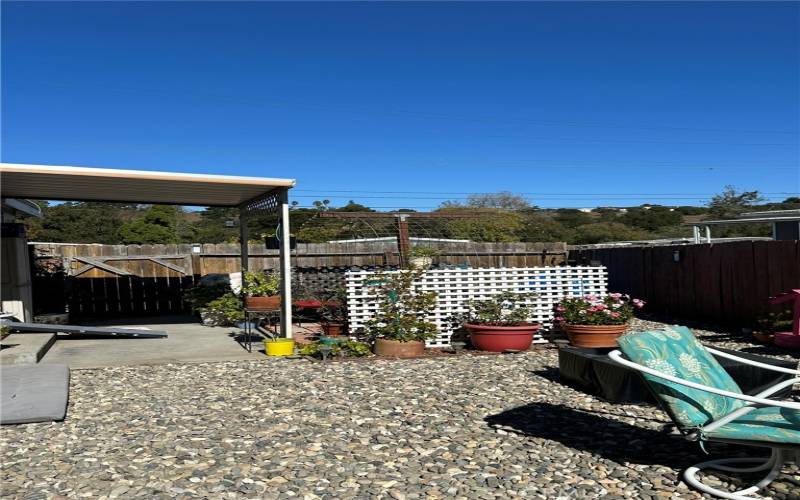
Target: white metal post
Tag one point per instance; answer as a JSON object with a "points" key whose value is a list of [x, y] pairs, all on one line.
{"points": [[708, 234], [696, 233], [244, 236], [286, 266]]}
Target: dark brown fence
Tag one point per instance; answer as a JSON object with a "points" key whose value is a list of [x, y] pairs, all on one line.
{"points": [[726, 283]]}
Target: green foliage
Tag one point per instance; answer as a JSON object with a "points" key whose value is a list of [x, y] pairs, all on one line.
{"points": [[78, 222], [540, 228], [334, 305], [504, 309], [487, 225], [572, 217], [600, 232], [651, 218], [425, 251], [504, 200], [261, 283], [613, 309], [200, 295], [159, 224], [345, 348], [228, 307], [730, 202], [402, 308]]}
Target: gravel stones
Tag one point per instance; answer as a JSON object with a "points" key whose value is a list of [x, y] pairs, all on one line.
{"points": [[465, 426]]}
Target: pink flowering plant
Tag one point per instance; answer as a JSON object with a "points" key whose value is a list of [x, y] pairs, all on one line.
{"points": [[613, 309]]}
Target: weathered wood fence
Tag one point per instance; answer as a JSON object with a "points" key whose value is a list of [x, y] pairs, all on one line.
{"points": [[726, 283], [130, 280]]}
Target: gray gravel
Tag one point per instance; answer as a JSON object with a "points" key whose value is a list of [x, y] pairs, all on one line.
{"points": [[455, 427]]}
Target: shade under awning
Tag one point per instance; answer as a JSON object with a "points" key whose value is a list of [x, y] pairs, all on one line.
{"points": [[49, 182]]}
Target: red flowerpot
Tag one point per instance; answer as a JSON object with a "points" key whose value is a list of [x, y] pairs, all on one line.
{"points": [[501, 338], [594, 336]]}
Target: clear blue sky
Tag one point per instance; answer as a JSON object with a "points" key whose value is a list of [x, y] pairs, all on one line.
{"points": [[581, 102]]}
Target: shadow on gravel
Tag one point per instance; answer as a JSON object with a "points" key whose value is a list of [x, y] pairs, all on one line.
{"points": [[608, 438]]}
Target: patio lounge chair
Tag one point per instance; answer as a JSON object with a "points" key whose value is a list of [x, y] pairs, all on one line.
{"points": [[707, 405]]}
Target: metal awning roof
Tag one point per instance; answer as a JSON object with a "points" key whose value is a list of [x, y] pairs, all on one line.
{"points": [[754, 217], [50, 182]]}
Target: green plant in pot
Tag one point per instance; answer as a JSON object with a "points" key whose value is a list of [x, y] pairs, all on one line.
{"points": [[345, 348], [421, 257], [333, 313], [261, 290], [499, 324], [595, 322], [223, 310], [400, 327]]}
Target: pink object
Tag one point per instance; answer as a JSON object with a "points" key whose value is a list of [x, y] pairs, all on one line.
{"points": [[791, 339]]}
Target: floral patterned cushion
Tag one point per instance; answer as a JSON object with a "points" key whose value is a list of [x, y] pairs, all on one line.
{"points": [[775, 425], [675, 351]]}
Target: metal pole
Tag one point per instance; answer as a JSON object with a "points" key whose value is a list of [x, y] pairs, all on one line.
{"points": [[286, 266], [244, 236], [696, 233], [708, 234]]}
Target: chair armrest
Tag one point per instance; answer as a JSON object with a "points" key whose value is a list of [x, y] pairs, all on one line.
{"points": [[751, 362], [616, 356]]}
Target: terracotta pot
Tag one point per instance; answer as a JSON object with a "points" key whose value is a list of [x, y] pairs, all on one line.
{"points": [[764, 337], [333, 329], [501, 338], [272, 302], [397, 349], [594, 336]]}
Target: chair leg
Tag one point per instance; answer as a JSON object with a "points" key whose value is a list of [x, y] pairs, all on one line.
{"points": [[774, 463]]}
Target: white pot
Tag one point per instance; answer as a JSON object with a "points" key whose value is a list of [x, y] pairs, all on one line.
{"points": [[421, 262]]}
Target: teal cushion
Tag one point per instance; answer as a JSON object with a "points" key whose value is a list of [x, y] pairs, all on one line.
{"points": [[775, 425], [675, 351]]}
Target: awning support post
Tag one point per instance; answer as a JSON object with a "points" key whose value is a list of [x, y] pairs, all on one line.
{"points": [[244, 250], [285, 265]]}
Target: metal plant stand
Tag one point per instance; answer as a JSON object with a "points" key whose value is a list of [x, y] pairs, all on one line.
{"points": [[256, 316]]}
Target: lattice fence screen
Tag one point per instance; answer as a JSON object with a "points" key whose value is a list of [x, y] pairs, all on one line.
{"points": [[455, 287]]}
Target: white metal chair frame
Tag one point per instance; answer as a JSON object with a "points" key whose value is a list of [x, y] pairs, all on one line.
{"points": [[780, 454]]}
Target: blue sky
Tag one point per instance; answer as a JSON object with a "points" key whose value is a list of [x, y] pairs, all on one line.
{"points": [[577, 104]]}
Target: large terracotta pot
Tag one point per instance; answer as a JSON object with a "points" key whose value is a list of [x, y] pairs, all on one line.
{"points": [[271, 302], [397, 349], [594, 336], [332, 329], [501, 338]]}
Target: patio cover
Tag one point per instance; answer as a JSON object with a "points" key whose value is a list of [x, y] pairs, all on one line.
{"points": [[251, 195], [49, 182]]}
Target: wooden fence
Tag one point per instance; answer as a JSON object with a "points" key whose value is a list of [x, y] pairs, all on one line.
{"points": [[130, 280], [725, 283]]}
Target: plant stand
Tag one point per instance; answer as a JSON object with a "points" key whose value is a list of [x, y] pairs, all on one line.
{"points": [[257, 316]]}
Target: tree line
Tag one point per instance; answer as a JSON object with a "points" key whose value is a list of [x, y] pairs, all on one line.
{"points": [[496, 217]]}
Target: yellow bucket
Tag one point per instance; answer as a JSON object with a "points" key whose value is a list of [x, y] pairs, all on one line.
{"points": [[279, 347]]}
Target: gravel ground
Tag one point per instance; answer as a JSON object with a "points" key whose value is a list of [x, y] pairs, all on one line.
{"points": [[457, 427]]}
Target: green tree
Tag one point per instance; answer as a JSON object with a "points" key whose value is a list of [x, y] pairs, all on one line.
{"points": [[651, 218], [159, 224], [601, 232], [537, 227], [487, 225], [730, 202], [572, 217], [77, 222]]}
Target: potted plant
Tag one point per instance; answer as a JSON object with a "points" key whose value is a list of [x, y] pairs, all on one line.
{"points": [[344, 349], [422, 257], [500, 324], [261, 290], [596, 322], [767, 326], [333, 313], [400, 327]]}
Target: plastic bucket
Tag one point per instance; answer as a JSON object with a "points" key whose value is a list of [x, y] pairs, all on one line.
{"points": [[279, 347]]}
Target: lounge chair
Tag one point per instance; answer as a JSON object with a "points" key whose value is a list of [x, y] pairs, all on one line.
{"points": [[707, 405]]}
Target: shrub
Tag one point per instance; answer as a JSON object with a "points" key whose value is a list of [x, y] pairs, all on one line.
{"points": [[402, 308], [261, 283], [200, 295], [224, 310], [613, 309], [346, 348], [504, 309]]}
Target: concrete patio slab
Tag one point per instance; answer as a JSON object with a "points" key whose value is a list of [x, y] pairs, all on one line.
{"points": [[188, 342], [25, 348]]}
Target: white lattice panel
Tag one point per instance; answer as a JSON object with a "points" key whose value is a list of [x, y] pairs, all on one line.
{"points": [[455, 287]]}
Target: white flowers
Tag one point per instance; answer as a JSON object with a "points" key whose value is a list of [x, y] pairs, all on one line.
{"points": [[690, 363], [661, 365], [380, 324]]}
